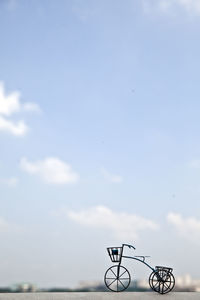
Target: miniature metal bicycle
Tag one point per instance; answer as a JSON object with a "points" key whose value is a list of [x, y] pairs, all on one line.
{"points": [[117, 278]]}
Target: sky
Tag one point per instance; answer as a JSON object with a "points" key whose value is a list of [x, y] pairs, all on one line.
{"points": [[99, 129]]}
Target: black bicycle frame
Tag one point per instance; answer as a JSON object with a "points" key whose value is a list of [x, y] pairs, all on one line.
{"points": [[132, 257]]}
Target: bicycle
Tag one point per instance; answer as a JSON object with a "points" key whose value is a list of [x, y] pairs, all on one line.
{"points": [[117, 278]]}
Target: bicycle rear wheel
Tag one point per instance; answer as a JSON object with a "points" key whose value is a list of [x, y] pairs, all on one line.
{"points": [[162, 281]]}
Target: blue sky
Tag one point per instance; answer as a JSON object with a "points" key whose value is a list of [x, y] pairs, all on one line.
{"points": [[99, 128]]}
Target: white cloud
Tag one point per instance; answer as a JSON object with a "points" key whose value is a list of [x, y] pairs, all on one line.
{"points": [[50, 170], [122, 225], [10, 104], [170, 6], [10, 182], [32, 107], [192, 6], [186, 227], [111, 177], [16, 128]]}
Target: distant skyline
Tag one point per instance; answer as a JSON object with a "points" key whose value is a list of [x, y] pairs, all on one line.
{"points": [[99, 129]]}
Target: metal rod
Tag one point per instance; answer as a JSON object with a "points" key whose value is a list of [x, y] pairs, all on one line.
{"points": [[131, 257]]}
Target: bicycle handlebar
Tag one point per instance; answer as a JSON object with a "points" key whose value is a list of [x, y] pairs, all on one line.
{"points": [[130, 246]]}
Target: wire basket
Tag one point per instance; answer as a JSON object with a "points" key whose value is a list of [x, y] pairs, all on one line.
{"points": [[115, 253], [160, 268]]}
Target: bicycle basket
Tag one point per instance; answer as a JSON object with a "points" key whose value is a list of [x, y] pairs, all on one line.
{"points": [[160, 268], [115, 253]]}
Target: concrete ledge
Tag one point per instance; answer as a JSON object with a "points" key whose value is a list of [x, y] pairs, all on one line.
{"points": [[99, 296]]}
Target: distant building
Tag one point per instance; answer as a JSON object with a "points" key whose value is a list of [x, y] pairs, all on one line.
{"points": [[24, 287], [186, 283]]}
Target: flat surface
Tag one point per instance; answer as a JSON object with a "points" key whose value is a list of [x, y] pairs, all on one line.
{"points": [[99, 296]]}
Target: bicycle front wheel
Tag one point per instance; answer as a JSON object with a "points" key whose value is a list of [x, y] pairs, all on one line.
{"points": [[117, 278]]}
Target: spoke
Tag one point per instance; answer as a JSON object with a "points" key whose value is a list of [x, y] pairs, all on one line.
{"points": [[122, 283], [163, 278], [117, 285], [112, 282], [156, 280], [158, 277], [159, 287], [162, 288], [123, 273], [166, 285], [156, 284], [109, 278], [125, 278], [113, 273], [167, 277]]}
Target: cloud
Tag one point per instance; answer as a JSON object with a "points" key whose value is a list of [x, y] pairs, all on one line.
{"points": [[121, 225], [51, 170], [191, 7], [188, 228], [16, 128], [111, 177], [10, 182], [9, 105], [32, 107]]}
